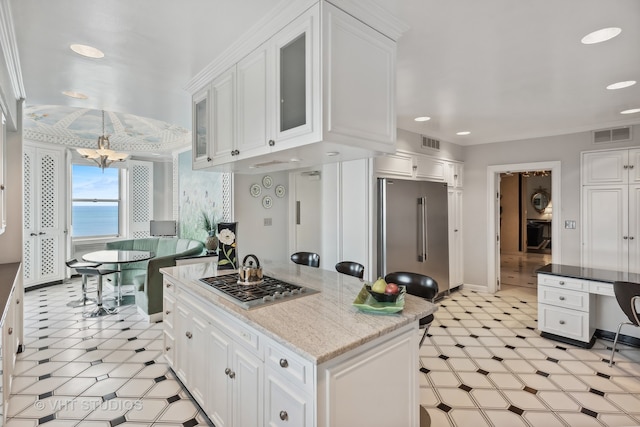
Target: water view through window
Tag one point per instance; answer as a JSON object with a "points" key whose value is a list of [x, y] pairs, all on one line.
{"points": [[95, 201]]}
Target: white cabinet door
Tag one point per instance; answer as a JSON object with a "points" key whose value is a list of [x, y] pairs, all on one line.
{"points": [[183, 346], [285, 405], [223, 113], [456, 264], [455, 173], [219, 401], [634, 228], [634, 166], [605, 238], [430, 168], [43, 222], [394, 164], [605, 167], [200, 145], [247, 389], [255, 99]]}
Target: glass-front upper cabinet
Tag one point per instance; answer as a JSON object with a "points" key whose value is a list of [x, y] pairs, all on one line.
{"points": [[200, 129], [297, 71]]}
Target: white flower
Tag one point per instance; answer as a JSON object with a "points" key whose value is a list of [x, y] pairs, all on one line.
{"points": [[226, 236]]}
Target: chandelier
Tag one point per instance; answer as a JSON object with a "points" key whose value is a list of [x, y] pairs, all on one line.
{"points": [[104, 156]]}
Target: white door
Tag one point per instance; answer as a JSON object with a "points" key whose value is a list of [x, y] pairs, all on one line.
{"points": [[634, 228], [43, 215], [140, 198], [247, 389], [220, 394], [308, 214]]}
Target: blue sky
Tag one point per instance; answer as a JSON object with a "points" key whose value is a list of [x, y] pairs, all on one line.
{"points": [[89, 182]]}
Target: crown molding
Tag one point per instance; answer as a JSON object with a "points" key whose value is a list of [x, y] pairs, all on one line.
{"points": [[286, 11], [10, 49]]}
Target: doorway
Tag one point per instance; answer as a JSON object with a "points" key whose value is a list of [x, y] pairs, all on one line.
{"points": [[526, 216], [494, 173], [307, 211]]}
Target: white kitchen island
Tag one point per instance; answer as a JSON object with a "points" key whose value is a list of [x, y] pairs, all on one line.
{"points": [[310, 361]]}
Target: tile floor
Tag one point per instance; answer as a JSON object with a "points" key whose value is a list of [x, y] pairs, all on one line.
{"points": [[482, 365], [519, 268], [99, 372]]}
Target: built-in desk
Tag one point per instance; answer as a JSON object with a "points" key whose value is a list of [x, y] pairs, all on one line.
{"points": [[576, 304]]}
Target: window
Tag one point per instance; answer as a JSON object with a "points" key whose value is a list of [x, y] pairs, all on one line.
{"points": [[95, 204]]}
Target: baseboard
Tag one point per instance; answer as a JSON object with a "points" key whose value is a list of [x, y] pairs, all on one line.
{"points": [[42, 285], [624, 339], [151, 318]]}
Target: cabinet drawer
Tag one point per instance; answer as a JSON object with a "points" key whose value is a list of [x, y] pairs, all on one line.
{"points": [[564, 322], [169, 288], [563, 282], [239, 332], [290, 366], [566, 298], [286, 405], [601, 288], [169, 348], [168, 315]]}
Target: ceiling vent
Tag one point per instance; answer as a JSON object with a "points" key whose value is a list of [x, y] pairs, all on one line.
{"points": [[427, 142], [612, 135]]}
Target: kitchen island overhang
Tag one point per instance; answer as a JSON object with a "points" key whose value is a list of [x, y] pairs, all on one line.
{"points": [[337, 356]]}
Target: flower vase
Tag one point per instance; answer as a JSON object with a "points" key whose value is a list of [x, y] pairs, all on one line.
{"points": [[211, 243]]}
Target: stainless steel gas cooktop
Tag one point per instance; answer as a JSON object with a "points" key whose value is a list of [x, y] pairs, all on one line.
{"points": [[270, 291]]}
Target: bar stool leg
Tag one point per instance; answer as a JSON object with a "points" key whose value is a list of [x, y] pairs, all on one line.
{"points": [[84, 300], [100, 310]]}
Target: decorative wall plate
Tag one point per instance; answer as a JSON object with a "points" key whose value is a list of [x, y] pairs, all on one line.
{"points": [[267, 182], [280, 190], [267, 202], [255, 190]]}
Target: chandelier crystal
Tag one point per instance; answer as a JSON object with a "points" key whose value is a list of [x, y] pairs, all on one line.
{"points": [[104, 156]]}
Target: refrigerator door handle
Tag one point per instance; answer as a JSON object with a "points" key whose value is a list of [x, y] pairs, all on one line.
{"points": [[420, 248], [425, 232]]}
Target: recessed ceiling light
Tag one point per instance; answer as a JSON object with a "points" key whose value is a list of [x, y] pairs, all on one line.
{"points": [[294, 159], [88, 51], [422, 119], [621, 85], [464, 132], [73, 94], [631, 111], [332, 153], [601, 35]]}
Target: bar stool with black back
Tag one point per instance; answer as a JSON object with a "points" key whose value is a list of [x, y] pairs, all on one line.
{"points": [[628, 296], [306, 258], [420, 286], [74, 263], [351, 268], [100, 310]]}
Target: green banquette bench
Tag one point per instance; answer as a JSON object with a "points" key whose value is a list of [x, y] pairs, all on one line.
{"points": [[145, 275]]}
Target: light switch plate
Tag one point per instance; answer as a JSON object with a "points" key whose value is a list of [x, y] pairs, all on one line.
{"points": [[570, 224], [267, 221]]}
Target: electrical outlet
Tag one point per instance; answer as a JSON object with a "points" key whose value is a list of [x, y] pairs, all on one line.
{"points": [[267, 221], [570, 224]]}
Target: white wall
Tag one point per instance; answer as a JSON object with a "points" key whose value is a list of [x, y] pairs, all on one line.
{"points": [[11, 239], [253, 237], [564, 148], [163, 190]]}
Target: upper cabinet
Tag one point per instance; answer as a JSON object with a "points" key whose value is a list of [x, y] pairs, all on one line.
{"points": [[611, 167], [421, 167], [320, 89]]}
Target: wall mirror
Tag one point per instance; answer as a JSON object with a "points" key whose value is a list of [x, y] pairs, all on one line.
{"points": [[540, 200]]}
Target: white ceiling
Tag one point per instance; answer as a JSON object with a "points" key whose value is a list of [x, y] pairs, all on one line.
{"points": [[501, 69]]}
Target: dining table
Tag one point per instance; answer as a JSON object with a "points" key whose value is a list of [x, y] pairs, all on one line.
{"points": [[119, 257]]}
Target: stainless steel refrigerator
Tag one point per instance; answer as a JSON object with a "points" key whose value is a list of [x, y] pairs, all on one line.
{"points": [[413, 229]]}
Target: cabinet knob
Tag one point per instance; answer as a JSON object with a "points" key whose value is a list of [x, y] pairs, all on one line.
{"points": [[167, 348], [42, 233], [227, 371], [284, 416], [284, 363], [232, 375], [561, 283], [32, 234], [626, 166], [10, 331], [167, 312], [625, 237], [455, 231], [237, 152], [631, 237], [189, 335], [168, 285], [17, 301], [561, 298], [1, 186], [208, 159], [271, 143], [630, 166], [562, 322]]}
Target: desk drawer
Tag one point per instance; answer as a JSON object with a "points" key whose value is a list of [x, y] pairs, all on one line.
{"points": [[566, 298], [601, 288], [564, 322], [290, 366], [563, 282]]}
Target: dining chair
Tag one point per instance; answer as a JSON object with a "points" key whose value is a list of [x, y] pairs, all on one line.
{"points": [[99, 272], [628, 297], [350, 268], [74, 263], [420, 286], [311, 259]]}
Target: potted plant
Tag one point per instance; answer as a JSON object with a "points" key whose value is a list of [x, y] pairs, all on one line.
{"points": [[210, 225]]}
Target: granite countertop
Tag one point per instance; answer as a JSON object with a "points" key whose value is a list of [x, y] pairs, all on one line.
{"points": [[319, 326], [596, 274]]}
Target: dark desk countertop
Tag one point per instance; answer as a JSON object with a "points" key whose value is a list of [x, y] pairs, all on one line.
{"points": [[596, 274], [7, 277]]}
